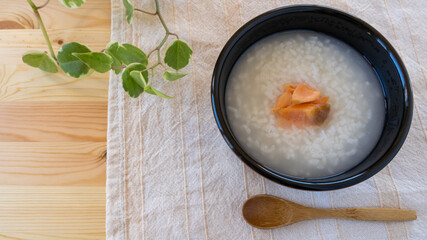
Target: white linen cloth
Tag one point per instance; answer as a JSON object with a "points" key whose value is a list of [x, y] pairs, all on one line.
{"points": [[170, 175]]}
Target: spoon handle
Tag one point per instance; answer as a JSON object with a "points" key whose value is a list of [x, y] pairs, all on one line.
{"points": [[368, 214]]}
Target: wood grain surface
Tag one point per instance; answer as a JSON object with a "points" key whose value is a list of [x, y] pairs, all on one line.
{"points": [[52, 127], [19, 41], [23, 83], [52, 212], [53, 121]]}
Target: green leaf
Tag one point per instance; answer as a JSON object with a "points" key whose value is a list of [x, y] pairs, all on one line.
{"points": [[178, 54], [40, 60], [138, 77], [129, 10], [71, 65], [98, 61], [129, 85], [172, 76], [129, 53], [153, 91], [111, 50], [72, 3]]}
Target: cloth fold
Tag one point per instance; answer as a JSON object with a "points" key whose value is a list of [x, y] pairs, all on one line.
{"points": [[170, 174]]}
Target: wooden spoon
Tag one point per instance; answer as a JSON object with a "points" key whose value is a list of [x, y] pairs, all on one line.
{"points": [[265, 211]]}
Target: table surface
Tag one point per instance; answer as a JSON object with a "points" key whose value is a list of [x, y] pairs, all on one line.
{"points": [[52, 127]]}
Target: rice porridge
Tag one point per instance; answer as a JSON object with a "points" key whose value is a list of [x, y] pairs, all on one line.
{"points": [[357, 108]]}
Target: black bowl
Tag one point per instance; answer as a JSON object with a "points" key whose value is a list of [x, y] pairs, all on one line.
{"points": [[363, 38]]}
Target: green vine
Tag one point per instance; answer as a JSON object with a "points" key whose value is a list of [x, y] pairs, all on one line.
{"points": [[78, 61]]}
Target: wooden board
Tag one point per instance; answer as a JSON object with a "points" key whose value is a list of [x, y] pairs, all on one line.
{"points": [[52, 127], [53, 121], [52, 164], [18, 15], [52, 212], [15, 42], [20, 82]]}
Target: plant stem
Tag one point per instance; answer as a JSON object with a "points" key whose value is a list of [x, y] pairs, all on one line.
{"points": [[174, 34], [158, 53], [42, 27], [152, 51], [163, 41], [43, 5], [146, 12], [165, 38], [160, 16], [119, 67], [152, 67]]}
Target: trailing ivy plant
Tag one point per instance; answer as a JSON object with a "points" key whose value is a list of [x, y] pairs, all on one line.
{"points": [[78, 61]]}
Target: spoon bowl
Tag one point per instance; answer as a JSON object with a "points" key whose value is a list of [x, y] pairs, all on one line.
{"points": [[266, 211]]}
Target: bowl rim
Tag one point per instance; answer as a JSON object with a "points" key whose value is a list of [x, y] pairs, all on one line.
{"points": [[271, 174]]}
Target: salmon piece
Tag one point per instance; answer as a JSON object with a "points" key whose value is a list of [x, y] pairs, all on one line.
{"points": [[301, 105], [283, 100], [305, 114], [304, 93], [290, 87], [320, 100]]}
